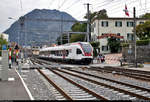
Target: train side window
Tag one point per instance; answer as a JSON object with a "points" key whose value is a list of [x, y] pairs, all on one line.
{"points": [[79, 51], [67, 52]]}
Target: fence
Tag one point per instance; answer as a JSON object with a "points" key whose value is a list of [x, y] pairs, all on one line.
{"points": [[143, 53]]}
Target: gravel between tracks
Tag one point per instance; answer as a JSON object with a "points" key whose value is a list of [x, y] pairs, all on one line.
{"points": [[37, 85], [110, 94], [132, 81]]}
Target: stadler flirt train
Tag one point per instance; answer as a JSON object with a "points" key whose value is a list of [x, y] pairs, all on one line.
{"points": [[79, 52]]}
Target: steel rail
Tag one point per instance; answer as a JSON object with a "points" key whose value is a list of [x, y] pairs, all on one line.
{"points": [[132, 75], [85, 89], [54, 85], [109, 86], [129, 70], [136, 76], [110, 69], [118, 82]]}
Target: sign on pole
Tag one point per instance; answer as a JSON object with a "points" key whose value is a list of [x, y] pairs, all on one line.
{"points": [[4, 47]]}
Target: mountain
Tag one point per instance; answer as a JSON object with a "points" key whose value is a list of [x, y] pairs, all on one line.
{"points": [[40, 27]]}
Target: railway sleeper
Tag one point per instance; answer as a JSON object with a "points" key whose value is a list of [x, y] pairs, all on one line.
{"points": [[142, 93], [126, 96], [78, 94], [132, 98], [82, 96]]}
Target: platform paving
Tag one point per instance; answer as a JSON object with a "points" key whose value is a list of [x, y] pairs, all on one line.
{"points": [[13, 89]]}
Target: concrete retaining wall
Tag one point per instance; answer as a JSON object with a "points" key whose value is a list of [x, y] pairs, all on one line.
{"points": [[143, 53]]}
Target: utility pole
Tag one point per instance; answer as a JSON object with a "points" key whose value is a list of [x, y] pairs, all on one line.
{"points": [[21, 20], [61, 42], [88, 22], [135, 57]]}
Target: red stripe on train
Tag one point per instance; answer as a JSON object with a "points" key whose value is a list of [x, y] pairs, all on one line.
{"points": [[88, 54]]}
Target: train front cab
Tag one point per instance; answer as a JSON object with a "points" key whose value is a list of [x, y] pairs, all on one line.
{"points": [[81, 57]]}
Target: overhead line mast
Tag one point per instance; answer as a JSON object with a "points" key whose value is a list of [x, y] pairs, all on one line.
{"points": [[88, 22]]}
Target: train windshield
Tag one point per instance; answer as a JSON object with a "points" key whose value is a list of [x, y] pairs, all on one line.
{"points": [[86, 47]]}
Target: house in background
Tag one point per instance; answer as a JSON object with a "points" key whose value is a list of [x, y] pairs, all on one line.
{"points": [[122, 28], [5, 36]]}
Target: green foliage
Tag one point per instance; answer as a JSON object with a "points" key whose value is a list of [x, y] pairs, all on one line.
{"points": [[114, 44], [143, 42], [2, 42], [77, 37], [125, 44], [143, 30], [78, 27], [64, 39], [138, 43], [82, 27], [147, 15], [100, 14], [58, 40], [95, 53], [95, 46]]}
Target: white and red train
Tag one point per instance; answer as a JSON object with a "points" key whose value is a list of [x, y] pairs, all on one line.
{"points": [[79, 52]]}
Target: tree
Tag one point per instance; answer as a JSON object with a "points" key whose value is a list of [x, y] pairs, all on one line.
{"points": [[147, 15], [64, 39], [78, 27], [77, 37], [82, 27], [95, 46], [98, 15], [143, 30], [2, 42], [114, 44]]}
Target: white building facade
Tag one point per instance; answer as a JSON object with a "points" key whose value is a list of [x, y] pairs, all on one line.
{"points": [[121, 27]]}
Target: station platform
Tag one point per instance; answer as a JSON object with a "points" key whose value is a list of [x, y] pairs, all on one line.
{"points": [[14, 88]]}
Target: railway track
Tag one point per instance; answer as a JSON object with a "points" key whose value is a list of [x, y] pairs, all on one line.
{"points": [[120, 87], [132, 90], [139, 75], [75, 90]]}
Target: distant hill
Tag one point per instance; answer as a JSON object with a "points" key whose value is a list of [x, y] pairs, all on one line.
{"points": [[40, 26]]}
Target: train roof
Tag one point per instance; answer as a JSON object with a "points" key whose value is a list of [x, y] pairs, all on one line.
{"points": [[65, 46]]}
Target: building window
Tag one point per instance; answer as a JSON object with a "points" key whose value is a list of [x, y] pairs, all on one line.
{"points": [[104, 48], [141, 23], [118, 34], [118, 24], [130, 36], [130, 24], [104, 23]]}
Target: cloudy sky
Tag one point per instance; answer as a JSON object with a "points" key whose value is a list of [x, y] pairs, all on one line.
{"points": [[76, 8]]}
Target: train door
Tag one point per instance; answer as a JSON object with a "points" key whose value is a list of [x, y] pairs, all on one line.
{"points": [[64, 54], [72, 53], [79, 53]]}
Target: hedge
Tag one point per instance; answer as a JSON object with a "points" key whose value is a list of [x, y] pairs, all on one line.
{"points": [[138, 43], [143, 42]]}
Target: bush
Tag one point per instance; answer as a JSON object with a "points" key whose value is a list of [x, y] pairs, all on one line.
{"points": [[143, 42], [138, 42], [95, 46], [125, 44]]}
